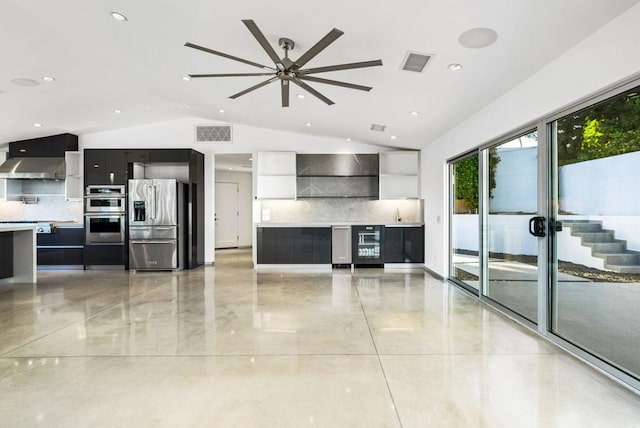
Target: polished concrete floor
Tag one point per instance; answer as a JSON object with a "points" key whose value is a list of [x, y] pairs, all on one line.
{"points": [[227, 346]]}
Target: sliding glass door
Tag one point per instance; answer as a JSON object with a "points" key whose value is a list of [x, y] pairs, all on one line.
{"points": [[546, 224], [464, 221], [511, 183], [595, 294]]}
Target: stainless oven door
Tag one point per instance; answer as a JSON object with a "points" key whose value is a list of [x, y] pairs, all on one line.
{"points": [[104, 228]]}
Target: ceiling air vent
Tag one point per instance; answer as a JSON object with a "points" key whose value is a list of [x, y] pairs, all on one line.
{"points": [[213, 134], [414, 61], [378, 128]]}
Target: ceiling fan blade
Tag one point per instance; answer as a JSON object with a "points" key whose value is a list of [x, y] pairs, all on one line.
{"points": [[285, 92], [195, 76], [335, 82], [222, 54], [253, 88], [317, 48], [251, 25], [312, 91], [341, 67]]}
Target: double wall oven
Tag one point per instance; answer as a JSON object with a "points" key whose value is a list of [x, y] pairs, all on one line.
{"points": [[104, 214]]}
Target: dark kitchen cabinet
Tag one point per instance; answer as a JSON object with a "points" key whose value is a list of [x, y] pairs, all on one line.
{"points": [[63, 247], [170, 155], [138, 156], [404, 244], [294, 245], [45, 147], [103, 166], [6, 261], [322, 245], [60, 256], [107, 254]]}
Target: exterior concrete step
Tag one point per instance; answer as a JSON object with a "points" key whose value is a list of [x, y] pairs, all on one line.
{"points": [[623, 268], [604, 236], [622, 259], [584, 227], [617, 246]]}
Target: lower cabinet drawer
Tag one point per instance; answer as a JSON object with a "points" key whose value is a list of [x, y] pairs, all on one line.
{"points": [[60, 256]]}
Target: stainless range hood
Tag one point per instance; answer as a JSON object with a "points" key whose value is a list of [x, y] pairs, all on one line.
{"points": [[33, 168]]}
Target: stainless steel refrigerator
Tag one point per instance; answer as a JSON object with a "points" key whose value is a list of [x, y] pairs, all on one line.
{"points": [[156, 224]]}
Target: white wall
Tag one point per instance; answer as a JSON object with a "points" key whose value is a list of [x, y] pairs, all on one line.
{"points": [[516, 181], [245, 202], [180, 133], [508, 234], [601, 186], [602, 59]]}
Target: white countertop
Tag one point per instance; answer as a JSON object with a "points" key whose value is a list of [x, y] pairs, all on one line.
{"points": [[342, 223], [15, 227]]}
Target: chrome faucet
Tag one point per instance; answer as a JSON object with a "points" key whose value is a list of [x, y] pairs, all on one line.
{"points": [[398, 218]]}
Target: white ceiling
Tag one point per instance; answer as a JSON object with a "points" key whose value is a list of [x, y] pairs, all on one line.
{"points": [[101, 65]]}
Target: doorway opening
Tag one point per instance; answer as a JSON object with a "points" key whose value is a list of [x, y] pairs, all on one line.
{"points": [[233, 201]]}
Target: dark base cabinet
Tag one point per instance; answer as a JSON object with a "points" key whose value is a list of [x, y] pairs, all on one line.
{"points": [[6, 261], [103, 255], [62, 247], [294, 245], [60, 257], [404, 244]]}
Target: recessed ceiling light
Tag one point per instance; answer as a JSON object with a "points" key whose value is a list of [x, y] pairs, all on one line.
{"points": [[393, 137], [477, 38], [186, 78], [230, 168], [118, 16], [414, 113], [37, 125], [301, 96], [348, 139], [117, 111], [307, 124], [48, 79], [221, 111], [455, 67]]}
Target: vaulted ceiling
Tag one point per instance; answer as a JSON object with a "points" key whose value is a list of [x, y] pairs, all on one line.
{"points": [[101, 65]]}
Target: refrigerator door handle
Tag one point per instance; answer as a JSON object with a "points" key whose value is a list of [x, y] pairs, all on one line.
{"points": [[151, 241], [155, 202]]}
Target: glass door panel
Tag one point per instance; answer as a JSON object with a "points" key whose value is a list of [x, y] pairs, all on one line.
{"points": [[512, 182], [595, 293], [465, 222]]}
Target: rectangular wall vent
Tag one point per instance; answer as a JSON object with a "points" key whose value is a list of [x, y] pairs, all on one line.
{"points": [[213, 134], [378, 128], [414, 61]]}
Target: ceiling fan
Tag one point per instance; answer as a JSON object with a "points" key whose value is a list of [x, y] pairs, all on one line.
{"points": [[287, 70]]}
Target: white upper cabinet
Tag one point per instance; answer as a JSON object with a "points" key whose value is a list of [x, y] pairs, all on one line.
{"points": [[276, 175], [400, 175]]}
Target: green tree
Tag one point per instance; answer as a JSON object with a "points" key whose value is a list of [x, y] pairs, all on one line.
{"points": [[606, 129], [467, 185]]}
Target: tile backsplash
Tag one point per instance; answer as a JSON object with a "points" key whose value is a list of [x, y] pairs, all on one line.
{"points": [[51, 204], [341, 210]]}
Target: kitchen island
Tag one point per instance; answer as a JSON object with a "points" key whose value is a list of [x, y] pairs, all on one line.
{"points": [[17, 254]]}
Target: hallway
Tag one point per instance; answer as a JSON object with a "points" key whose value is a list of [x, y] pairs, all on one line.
{"points": [[228, 346]]}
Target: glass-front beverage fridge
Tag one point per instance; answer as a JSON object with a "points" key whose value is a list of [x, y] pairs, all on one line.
{"points": [[367, 245]]}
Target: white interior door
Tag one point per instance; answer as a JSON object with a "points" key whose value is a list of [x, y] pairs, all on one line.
{"points": [[226, 215]]}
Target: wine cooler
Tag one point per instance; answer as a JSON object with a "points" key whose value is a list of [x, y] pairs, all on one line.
{"points": [[367, 245]]}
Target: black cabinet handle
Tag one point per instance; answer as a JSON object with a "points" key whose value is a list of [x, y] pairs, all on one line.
{"points": [[536, 226]]}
